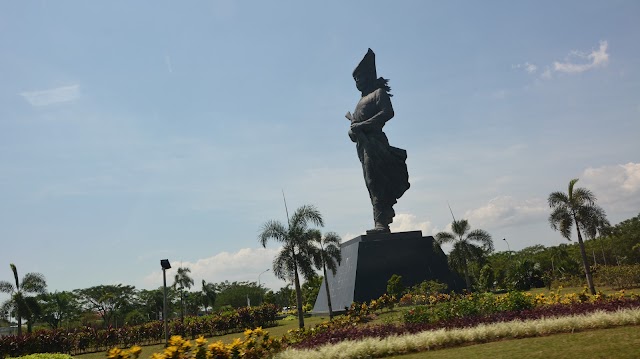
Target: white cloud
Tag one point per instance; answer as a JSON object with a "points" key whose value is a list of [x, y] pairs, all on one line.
{"points": [[596, 58], [405, 222], [52, 96], [506, 211], [616, 186], [529, 68], [244, 265]]}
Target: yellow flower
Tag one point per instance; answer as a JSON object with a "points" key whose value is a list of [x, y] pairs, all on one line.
{"points": [[115, 353], [259, 331], [248, 332], [157, 356], [201, 341], [135, 351], [175, 340]]}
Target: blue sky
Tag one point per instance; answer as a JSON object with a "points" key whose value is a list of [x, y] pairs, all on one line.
{"points": [[136, 131]]}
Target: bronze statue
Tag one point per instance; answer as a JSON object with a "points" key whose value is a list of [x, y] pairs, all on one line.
{"points": [[383, 166]]}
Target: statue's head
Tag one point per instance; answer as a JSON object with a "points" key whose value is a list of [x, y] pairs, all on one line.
{"points": [[365, 73]]}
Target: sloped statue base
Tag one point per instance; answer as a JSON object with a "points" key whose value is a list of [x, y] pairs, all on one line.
{"points": [[368, 261]]}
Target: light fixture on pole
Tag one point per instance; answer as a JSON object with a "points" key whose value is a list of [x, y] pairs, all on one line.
{"points": [[263, 272], [164, 263], [508, 247]]}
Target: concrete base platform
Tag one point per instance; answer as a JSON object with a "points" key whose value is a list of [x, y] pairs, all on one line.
{"points": [[368, 261]]}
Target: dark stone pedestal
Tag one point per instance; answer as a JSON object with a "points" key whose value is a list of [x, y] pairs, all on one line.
{"points": [[368, 261]]}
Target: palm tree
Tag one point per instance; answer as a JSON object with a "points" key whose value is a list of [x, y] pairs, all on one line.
{"points": [[208, 295], [297, 252], [577, 207], [464, 250], [20, 302], [327, 256], [182, 280]]}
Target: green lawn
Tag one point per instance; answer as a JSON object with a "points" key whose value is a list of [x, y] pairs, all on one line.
{"points": [[616, 343]]}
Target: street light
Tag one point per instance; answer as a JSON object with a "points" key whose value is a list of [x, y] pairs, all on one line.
{"points": [[504, 239], [263, 272], [164, 263]]}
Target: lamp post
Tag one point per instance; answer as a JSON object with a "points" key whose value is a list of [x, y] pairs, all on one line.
{"points": [[263, 272], [164, 263], [509, 248]]}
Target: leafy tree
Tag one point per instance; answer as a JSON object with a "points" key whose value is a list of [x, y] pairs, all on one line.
{"points": [[487, 278], [181, 281], [20, 302], [209, 295], [395, 286], [577, 207], [235, 294], [152, 302], [59, 308], [310, 289], [327, 256], [107, 300], [464, 250], [526, 274], [296, 255]]}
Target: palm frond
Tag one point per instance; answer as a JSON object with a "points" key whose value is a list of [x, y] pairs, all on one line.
{"points": [[34, 283], [560, 220], [305, 215], [332, 238], [582, 197], [15, 275], [460, 227], [445, 237], [283, 265], [483, 237], [557, 199], [6, 287], [273, 230]]}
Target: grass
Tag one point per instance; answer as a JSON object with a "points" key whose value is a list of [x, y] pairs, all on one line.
{"points": [[620, 343], [443, 338]]}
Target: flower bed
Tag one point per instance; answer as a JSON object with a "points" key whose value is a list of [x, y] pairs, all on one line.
{"points": [[88, 339]]}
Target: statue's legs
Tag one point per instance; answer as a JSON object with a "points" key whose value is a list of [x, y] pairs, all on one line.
{"points": [[383, 214]]}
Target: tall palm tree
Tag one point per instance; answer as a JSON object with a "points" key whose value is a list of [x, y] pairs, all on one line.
{"points": [[464, 250], [297, 252], [208, 295], [182, 281], [327, 256], [20, 302], [578, 207]]}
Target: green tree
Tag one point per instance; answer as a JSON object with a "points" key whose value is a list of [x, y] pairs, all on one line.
{"points": [[20, 302], [464, 249], [235, 294], [182, 280], [395, 286], [577, 207], [59, 308], [152, 302], [109, 301], [329, 256], [310, 289], [296, 256], [208, 295], [487, 278]]}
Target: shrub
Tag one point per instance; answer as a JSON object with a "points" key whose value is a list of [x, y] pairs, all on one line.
{"points": [[619, 277]]}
